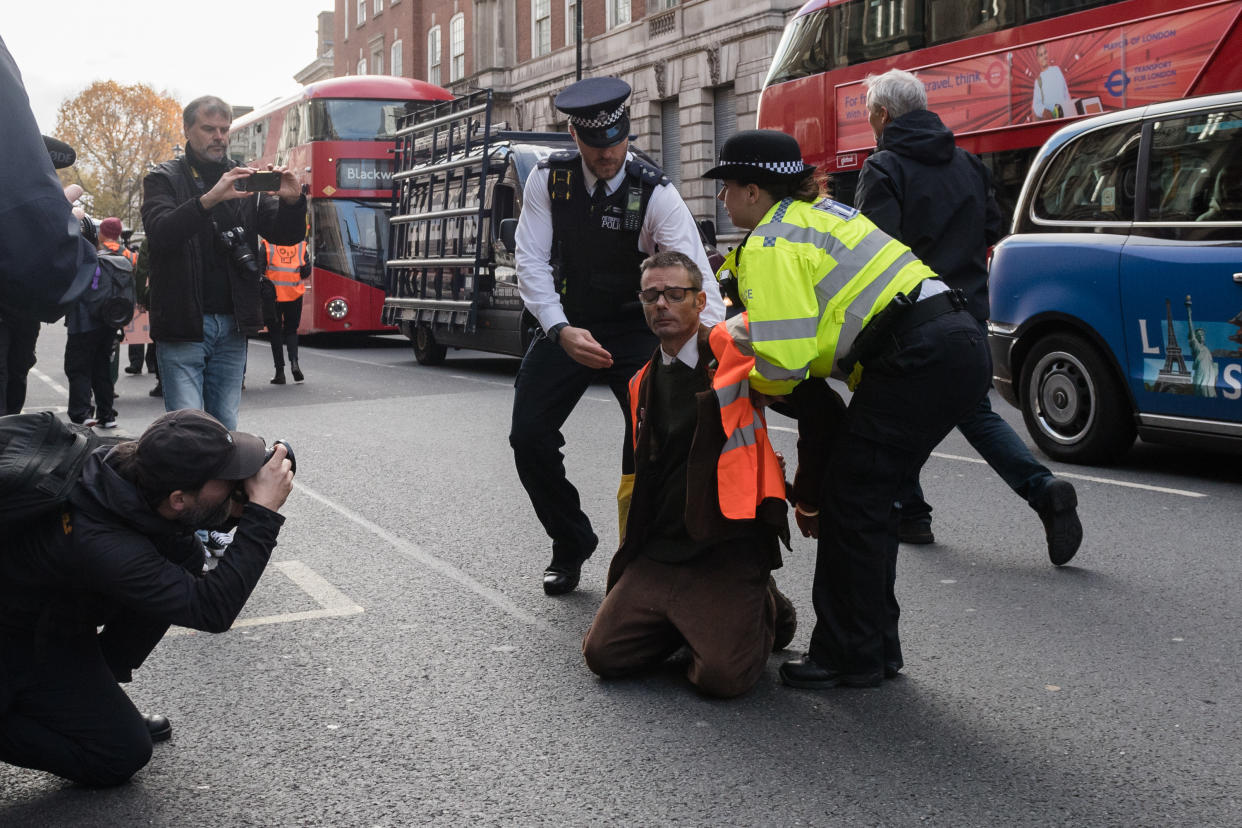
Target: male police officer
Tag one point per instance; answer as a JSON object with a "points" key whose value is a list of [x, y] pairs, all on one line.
{"points": [[589, 219]]}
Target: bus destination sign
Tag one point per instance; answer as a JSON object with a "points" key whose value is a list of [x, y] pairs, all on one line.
{"points": [[364, 174]]}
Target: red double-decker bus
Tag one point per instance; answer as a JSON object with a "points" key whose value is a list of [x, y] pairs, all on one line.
{"points": [[338, 135], [1002, 74]]}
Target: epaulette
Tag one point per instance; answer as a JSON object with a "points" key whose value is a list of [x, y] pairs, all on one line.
{"points": [[558, 157], [646, 173]]}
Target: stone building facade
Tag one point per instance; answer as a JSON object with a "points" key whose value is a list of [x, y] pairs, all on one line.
{"points": [[696, 66]]}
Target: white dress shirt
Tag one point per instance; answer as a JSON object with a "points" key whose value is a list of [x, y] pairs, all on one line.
{"points": [[667, 225], [689, 353]]}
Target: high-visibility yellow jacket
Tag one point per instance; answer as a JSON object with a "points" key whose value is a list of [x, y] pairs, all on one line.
{"points": [[811, 276], [284, 266]]}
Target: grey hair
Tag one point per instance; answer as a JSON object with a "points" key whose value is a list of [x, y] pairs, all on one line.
{"points": [[896, 90], [673, 258], [208, 105]]}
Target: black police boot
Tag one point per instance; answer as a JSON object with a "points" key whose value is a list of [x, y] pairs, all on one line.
{"points": [[296, 371], [279, 379]]}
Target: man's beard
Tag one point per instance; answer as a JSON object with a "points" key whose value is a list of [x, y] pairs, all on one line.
{"points": [[208, 517]]}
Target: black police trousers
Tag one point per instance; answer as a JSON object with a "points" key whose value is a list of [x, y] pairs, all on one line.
{"points": [[548, 387], [908, 399], [62, 711]]}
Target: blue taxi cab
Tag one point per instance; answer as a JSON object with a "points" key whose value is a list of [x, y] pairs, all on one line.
{"points": [[1117, 302]]}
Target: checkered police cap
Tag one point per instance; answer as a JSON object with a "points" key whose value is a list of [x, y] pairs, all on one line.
{"points": [[767, 152], [597, 111]]}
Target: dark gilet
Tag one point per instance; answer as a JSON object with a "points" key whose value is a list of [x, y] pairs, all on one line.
{"points": [[595, 255]]}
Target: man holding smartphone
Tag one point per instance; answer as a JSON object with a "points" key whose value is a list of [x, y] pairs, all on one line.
{"points": [[203, 214]]}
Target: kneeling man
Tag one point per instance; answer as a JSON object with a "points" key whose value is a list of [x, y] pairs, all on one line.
{"points": [[708, 505]]}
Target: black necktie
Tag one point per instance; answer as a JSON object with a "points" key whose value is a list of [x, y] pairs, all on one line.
{"points": [[601, 190]]}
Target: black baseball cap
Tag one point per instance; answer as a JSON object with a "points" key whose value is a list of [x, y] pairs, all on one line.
{"points": [[184, 449], [596, 109]]}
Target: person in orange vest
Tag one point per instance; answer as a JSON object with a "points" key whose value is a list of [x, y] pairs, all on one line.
{"points": [[288, 267], [708, 512]]}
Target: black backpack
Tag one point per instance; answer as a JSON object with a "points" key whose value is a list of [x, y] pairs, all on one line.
{"points": [[109, 298], [41, 459]]}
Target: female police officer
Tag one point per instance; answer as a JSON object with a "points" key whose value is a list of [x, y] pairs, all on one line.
{"points": [[828, 294]]}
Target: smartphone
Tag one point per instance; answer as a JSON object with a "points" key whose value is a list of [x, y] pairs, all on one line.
{"points": [[258, 182]]}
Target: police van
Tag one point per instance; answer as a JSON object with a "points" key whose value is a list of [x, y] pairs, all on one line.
{"points": [[451, 277], [1117, 302]]}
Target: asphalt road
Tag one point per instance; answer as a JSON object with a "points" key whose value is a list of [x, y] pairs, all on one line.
{"points": [[400, 665]]}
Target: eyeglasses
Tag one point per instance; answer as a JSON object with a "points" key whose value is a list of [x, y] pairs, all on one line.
{"points": [[671, 294]]}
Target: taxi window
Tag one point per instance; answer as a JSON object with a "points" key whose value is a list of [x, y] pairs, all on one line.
{"points": [[1195, 171], [1092, 179]]}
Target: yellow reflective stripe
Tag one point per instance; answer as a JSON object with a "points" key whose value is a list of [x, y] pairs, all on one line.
{"points": [[861, 307], [776, 329]]}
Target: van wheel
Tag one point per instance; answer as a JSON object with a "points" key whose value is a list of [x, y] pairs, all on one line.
{"points": [[426, 350], [1073, 405]]}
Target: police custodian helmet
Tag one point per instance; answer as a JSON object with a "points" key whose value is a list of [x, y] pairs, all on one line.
{"points": [[597, 111]]}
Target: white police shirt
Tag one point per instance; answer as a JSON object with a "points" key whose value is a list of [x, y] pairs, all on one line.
{"points": [[667, 225]]}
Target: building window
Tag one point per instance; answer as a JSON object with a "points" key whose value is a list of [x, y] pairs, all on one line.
{"points": [[571, 22], [362, 66], [660, 5], [670, 140], [457, 43], [395, 60], [377, 58], [346, 10], [379, 6], [618, 13], [541, 28], [433, 55], [724, 115], [362, 12]]}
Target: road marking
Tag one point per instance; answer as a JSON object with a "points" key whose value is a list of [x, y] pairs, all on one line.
{"points": [[352, 359], [56, 386], [332, 602], [481, 381], [415, 553], [1091, 478]]}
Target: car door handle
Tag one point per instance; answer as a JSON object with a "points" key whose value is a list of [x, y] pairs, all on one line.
{"points": [[1237, 277]]}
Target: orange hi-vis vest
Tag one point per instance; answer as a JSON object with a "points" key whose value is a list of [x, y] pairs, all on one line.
{"points": [[748, 471], [118, 249], [284, 269]]}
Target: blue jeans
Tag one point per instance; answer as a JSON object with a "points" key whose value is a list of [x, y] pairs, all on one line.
{"points": [[996, 443], [207, 374]]}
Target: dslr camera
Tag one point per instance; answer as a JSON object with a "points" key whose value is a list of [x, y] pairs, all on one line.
{"points": [[239, 493], [233, 240]]}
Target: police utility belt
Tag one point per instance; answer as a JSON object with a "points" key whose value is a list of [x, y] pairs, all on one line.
{"points": [[902, 314]]}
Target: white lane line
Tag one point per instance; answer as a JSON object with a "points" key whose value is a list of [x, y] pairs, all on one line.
{"points": [[481, 381], [352, 359], [332, 602], [1091, 478], [416, 554], [56, 386]]}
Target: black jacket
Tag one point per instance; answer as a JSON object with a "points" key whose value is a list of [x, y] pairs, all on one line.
{"points": [[920, 188], [110, 561], [180, 237]]}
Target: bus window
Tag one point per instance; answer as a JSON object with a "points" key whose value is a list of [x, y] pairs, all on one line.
{"points": [[954, 19], [354, 120], [891, 27], [1041, 9], [1092, 178], [351, 238], [803, 49]]}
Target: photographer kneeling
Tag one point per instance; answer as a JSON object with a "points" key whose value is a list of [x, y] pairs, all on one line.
{"points": [[87, 594]]}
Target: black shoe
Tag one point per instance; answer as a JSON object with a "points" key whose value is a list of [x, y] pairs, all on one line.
{"points": [[786, 617], [1058, 509], [157, 391], [559, 579], [158, 726], [279, 379], [916, 531], [805, 673], [891, 669], [133, 369], [296, 371]]}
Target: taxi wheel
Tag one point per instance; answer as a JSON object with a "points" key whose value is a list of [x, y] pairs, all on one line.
{"points": [[1073, 405], [426, 350]]}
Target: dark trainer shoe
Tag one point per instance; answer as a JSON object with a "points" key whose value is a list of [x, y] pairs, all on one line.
{"points": [[805, 673], [786, 617], [279, 379], [158, 726], [916, 531], [1058, 509]]}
